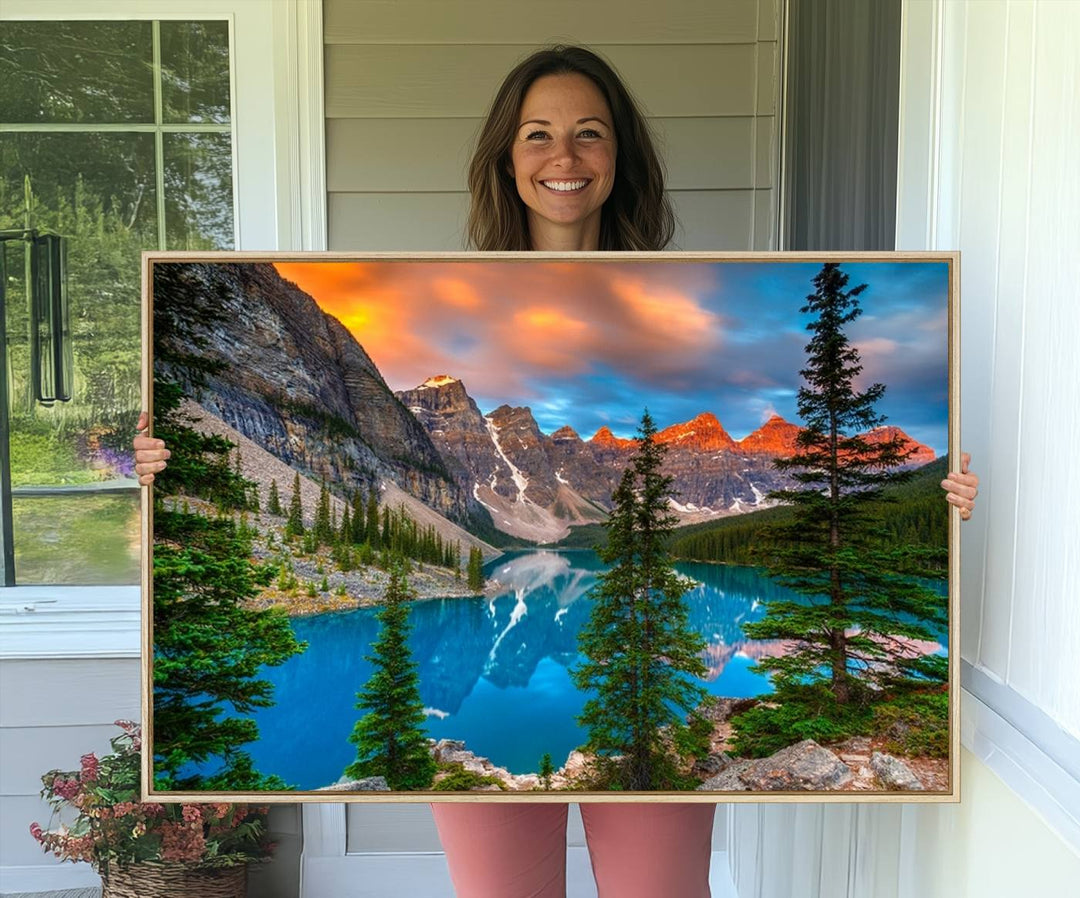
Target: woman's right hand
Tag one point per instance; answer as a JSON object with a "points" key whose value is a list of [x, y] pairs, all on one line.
{"points": [[150, 454]]}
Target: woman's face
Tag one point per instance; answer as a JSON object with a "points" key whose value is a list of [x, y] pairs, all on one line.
{"points": [[563, 160]]}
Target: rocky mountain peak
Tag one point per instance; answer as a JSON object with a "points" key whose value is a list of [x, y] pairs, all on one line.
{"points": [[605, 439], [775, 437], [703, 433], [921, 454], [566, 433]]}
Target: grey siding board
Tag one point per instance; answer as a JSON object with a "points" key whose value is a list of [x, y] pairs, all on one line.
{"points": [[376, 81], [768, 25], [706, 153], [28, 752], [522, 22], [17, 846], [765, 220], [425, 155], [764, 152], [397, 221], [36, 692], [767, 78], [713, 219], [394, 154]]}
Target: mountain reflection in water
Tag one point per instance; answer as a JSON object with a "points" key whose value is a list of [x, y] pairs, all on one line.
{"points": [[494, 672]]}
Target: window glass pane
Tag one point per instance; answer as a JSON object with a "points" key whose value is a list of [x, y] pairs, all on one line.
{"points": [[195, 72], [198, 191], [76, 72], [82, 540], [98, 191]]}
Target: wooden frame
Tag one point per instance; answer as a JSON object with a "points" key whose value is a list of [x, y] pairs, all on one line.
{"points": [[661, 313]]}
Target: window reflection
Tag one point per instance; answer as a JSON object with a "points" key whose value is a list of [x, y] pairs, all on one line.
{"points": [[134, 173]]}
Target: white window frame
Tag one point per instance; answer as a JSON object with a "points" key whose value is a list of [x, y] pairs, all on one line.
{"points": [[280, 204]]}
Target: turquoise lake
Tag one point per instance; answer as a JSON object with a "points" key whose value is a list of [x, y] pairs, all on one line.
{"points": [[494, 672]]}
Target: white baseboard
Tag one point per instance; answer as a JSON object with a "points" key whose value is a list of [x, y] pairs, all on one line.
{"points": [[427, 876]]}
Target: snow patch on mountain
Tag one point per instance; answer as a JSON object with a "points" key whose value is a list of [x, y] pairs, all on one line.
{"points": [[520, 480], [439, 380]]}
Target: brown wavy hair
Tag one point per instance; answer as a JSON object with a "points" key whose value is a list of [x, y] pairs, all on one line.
{"points": [[636, 216]]}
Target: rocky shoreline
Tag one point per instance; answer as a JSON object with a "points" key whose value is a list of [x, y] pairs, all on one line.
{"points": [[855, 765]]}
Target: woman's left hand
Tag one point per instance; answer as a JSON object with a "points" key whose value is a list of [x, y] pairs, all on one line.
{"points": [[961, 487]]}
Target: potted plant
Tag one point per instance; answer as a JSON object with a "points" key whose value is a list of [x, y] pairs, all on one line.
{"points": [[142, 849]]}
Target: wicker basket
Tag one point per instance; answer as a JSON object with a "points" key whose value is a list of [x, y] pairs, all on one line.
{"points": [[148, 880]]}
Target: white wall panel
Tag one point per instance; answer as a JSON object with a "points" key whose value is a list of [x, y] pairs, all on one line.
{"points": [[979, 153], [1045, 621], [1007, 355], [387, 827]]}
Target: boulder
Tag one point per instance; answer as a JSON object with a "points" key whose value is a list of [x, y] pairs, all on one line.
{"points": [[729, 780], [894, 773], [805, 766], [711, 765], [367, 784]]}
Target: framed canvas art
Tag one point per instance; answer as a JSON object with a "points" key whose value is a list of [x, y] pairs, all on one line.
{"points": [[498, 527]]}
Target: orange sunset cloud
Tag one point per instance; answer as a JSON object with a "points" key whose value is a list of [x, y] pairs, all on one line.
{"points": [[501, 323]]}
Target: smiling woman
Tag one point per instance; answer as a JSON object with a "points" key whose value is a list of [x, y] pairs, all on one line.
{"points": [[563, 160], [563, 117]]}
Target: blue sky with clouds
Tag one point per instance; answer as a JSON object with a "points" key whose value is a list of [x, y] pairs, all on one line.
{"points": [[592, 343]]}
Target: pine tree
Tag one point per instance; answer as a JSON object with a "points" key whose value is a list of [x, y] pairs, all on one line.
{"points": [[475, 576], [373, 536], [390, 739], [359, 529], [273, 503], [294, 526], [344, 536], [324, 528], [850, 631], [640, 654], [547, 770], [209, 646]]}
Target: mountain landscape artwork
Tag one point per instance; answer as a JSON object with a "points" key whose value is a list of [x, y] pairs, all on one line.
{"points": [[509, 526]]}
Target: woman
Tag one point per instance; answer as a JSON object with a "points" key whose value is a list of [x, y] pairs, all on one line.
{"points": [[565, 163]]}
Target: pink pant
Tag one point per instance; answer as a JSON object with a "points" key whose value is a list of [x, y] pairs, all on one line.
{"points": [[643, 850]]}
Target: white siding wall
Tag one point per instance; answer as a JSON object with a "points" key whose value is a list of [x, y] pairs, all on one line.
{"points": [[989, 143], [53, 711], [407, 85]]}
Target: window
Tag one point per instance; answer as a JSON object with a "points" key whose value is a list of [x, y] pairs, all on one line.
{"points": [[116, 135]]}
